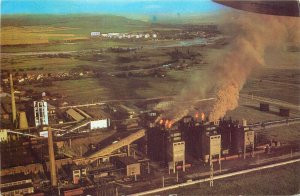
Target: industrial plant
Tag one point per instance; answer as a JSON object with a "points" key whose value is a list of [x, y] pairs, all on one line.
{"points": [[166, 102], [76, 150]]}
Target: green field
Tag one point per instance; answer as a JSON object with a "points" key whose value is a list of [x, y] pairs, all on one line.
{"points": [[44, 29], [283, 180]]}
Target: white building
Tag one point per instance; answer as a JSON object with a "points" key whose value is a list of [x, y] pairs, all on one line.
{"points": [[95, 34], [100, 124], [40, 113]]}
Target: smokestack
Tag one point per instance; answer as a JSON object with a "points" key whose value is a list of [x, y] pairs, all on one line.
{"points": [[13, 101], [51, 159]]}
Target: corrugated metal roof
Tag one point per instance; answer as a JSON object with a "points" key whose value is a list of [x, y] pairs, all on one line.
{"points": [[75, 115]]}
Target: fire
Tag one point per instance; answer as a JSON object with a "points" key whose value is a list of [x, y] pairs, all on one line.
{"points": [[197, 115], [161, 121], [202, 116], [168, 123]]}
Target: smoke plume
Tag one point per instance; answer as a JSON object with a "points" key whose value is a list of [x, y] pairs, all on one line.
{"points": [[252, 35]]}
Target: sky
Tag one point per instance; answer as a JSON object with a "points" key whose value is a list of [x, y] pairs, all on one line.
{"points": [[108, 6]]}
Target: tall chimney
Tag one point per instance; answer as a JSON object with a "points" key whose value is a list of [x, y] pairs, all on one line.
{"points": [[51, 159], [13, 101]]}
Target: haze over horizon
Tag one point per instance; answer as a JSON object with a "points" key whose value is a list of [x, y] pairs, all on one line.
{"points": [[130, 7]]}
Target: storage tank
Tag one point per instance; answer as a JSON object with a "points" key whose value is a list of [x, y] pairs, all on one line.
{"points": [[264, 107], [284, 112]]}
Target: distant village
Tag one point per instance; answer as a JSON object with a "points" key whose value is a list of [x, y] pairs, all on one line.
{"points": [[124, 35]]}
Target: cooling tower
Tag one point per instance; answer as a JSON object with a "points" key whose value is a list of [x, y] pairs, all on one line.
{"points": [[23, 124]]}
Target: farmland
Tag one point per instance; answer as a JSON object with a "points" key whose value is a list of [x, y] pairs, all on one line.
{"points": [[281, 181]]}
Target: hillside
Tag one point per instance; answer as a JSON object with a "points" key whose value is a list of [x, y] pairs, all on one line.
{"points": [[37, 29]]}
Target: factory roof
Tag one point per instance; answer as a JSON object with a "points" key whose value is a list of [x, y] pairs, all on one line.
{"points": [[14, 178], [108, 141], [16, 187], [83, 113], [74, 114], [127, 109], [127, 160], [97, 112]]}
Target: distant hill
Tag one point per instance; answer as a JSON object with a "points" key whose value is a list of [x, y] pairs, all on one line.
{"points": [[43, 29], [84, 23]]}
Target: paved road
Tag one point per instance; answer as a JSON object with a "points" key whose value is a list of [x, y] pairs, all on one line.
{"points": [[126, 100], [37, 53], [272, 101]]}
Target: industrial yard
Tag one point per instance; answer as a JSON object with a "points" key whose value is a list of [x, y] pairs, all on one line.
{"points": [[136, 107]]}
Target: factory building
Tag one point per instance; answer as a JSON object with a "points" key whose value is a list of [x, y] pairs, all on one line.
{"points": [[192, 135], [17, 184], [156, 143], [131, 166], [40, 113], [165, 144], [100, 124], [3, 135], [77, 172], [211, 147], [242, 139], [203, 140], [226, 128]]}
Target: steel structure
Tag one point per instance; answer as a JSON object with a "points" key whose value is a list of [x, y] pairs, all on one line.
{"points": [[40, 113]]}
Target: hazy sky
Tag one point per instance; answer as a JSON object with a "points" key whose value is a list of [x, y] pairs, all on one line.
{"points": [[108, 6]]}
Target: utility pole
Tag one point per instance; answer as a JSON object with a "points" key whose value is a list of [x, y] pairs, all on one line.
{"points": [[128, 150], [244, 148], [211, 182]]}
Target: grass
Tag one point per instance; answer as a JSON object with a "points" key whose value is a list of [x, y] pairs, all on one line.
{"points": [[34, 35], [282, 180], [41, 29], [289, 134]]}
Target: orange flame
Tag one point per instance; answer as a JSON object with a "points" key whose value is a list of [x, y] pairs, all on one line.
{"points": [[170, 124], [202, 116], [197, 115], [161, 121], [166, 123]]}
